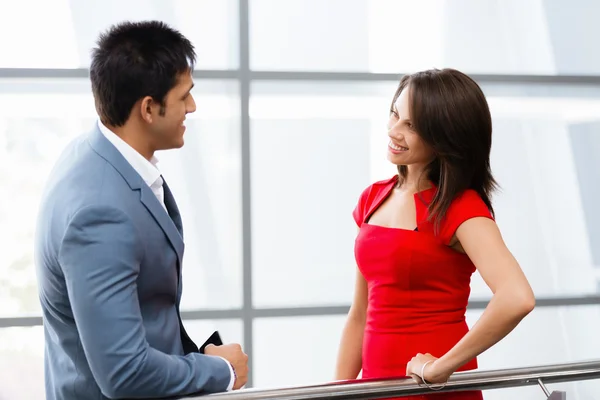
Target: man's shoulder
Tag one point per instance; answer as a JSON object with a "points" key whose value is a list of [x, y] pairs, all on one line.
{"points": [[78, 155], [75, 169], [81, 178]]}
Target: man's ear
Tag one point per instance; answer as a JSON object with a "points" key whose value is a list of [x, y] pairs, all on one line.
{"points": [[147, 109]]}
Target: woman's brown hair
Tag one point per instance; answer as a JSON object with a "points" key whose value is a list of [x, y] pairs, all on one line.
{"points": [[450, 113]]}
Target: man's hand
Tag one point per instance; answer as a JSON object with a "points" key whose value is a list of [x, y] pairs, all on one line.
{"points": [[236, 357]]}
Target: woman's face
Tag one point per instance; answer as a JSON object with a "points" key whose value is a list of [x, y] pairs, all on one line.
{"points": [[406, 146]]}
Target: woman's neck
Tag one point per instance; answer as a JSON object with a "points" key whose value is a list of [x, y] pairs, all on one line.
{"points": [[416, 179]]}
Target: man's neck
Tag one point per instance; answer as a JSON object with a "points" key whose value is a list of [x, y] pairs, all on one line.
{"points": [[133, 138]]}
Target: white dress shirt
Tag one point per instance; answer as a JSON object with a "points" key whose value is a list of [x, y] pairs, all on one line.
{"points": [[146, 169], [151, 175]]}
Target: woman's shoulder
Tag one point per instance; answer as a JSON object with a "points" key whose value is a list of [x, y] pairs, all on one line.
{"points": [[377, 188], [381, 185], [466, 205], [467, 200], [371, 195]]}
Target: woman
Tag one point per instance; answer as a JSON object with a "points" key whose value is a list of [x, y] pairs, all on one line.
{"points": [[421, 236]]}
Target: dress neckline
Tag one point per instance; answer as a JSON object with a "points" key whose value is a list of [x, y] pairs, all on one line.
{"points": [[423, 196]]}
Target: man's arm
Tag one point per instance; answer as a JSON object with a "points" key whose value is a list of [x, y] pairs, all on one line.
{"points": [[100, 258]]}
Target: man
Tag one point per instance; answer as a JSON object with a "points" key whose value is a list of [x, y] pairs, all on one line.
{"points": [[109, 243]]}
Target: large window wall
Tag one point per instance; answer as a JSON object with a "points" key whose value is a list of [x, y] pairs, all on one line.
{"points": [[292, 105]]}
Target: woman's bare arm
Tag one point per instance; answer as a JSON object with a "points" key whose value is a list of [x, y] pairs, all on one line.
{"points": [[349, 360], [512, 299]]}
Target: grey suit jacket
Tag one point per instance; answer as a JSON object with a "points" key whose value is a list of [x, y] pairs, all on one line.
{"points": [[108, 261]]}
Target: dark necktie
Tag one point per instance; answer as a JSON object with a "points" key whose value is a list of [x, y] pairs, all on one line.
{"points": [[188, 344]]}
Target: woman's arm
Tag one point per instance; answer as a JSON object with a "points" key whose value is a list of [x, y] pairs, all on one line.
{"points": [[512, 300], [349, 360]]}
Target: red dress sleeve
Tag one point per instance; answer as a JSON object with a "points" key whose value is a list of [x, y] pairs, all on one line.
{"points": [[359, 211], [370, 198], [466, 206]]}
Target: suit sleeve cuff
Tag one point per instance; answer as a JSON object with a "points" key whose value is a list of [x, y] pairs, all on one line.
{"points": [[232, 372]]}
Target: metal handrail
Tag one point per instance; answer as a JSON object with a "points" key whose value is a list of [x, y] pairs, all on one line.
{"points": [[460, 381]]}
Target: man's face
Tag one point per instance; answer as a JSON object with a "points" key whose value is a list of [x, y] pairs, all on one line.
{"points": [[168, 128]]}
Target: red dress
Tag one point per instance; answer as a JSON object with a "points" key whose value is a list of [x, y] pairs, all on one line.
{"points": [[418, 286]]}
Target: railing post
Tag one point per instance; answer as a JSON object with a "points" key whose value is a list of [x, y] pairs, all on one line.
{"points": [[556, 395], [544, 388]]}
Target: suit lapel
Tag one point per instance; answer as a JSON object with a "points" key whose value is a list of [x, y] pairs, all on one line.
{"points": [[107, 151], [160, 215]]}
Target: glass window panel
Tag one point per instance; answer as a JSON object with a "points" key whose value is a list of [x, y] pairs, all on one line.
{"points": [[314, 342], [309, 35], [537, 37], [71, 29], [205, 177], [22, 363], [212, 27], [32, 29], [41, 116], [308, 137], [310, 161], [543, 210], [549, 335]]}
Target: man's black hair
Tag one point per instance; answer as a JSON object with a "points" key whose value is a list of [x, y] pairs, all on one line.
{"points": [[133, 60]]}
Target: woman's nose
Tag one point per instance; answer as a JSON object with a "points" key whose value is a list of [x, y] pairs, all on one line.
{"points": [[395, 132]]}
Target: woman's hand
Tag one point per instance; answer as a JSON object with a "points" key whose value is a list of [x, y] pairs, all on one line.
{"points": [[432, 373]]}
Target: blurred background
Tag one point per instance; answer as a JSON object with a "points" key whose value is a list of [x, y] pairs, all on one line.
{"points": [[293, 99]]}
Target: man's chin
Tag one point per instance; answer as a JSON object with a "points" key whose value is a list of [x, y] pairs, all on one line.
{"points": [[172, 146], [178, 142]]}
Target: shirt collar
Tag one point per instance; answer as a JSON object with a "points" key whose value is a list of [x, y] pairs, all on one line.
{"points": [[148, 170]]}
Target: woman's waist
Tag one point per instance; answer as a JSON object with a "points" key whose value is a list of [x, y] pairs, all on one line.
{"points": [[438, 337], [414, 321], [393, 350]]}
